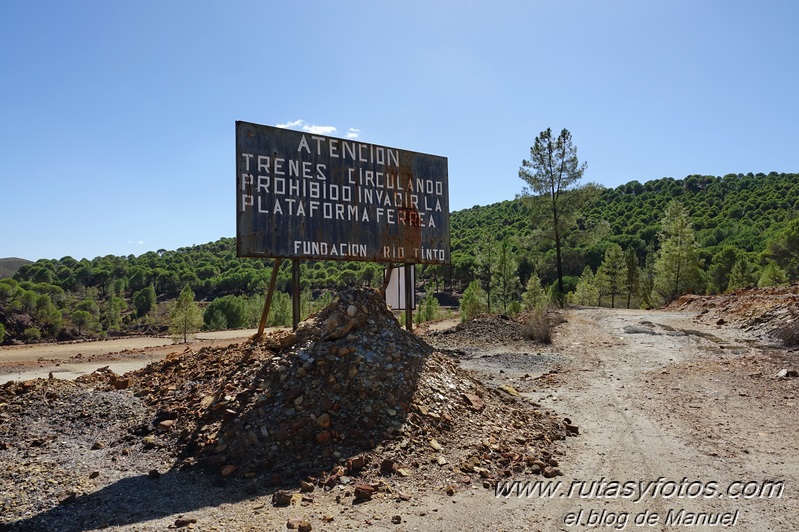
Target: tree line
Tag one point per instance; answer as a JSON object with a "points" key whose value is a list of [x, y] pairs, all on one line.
{"points": [[633, 245]]}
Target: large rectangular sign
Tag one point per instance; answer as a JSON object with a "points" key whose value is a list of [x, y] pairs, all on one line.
{"points": [[307, 196]]}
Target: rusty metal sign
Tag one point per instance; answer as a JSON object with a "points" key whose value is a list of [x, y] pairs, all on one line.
{"points": [[306, 196]]}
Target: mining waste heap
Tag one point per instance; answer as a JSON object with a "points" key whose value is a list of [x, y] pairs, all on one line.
{"points": [[349, 400], [349, 394]]}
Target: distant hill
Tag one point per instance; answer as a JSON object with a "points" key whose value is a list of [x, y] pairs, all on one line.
{"points": [[9, 266]]}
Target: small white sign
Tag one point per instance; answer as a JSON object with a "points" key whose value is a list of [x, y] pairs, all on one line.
{"points": [[395, 292]]}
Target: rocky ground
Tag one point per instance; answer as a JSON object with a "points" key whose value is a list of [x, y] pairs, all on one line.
{"points": [[352, 423], [764, 312], [348, 409]]}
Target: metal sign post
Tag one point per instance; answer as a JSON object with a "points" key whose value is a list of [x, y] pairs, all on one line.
{"points": [[408, 298], [268, 300], [295, 293]]}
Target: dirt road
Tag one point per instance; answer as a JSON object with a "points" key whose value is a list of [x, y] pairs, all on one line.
{"points": [[687, 410], [70, 360], [683, 425]]}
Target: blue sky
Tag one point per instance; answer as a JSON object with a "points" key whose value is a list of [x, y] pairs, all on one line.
{"points": [[117, 118]]}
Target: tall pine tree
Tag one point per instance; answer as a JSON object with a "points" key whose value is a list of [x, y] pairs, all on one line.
{"points": [[613, 272], [486, 256], [677, 270], [632, 282], [552, 174]]}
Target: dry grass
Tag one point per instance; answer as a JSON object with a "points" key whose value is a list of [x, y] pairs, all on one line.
{"points": [[538, 327]]}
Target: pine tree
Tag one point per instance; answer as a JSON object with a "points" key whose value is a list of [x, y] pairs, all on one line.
{"points": [[507, 275], [784, 249], [552, 173], [472, 301], [534, 297], [742, 275], [485, 266], [600, 284], [719, 271], [586, 293], [632, 282], [648, 276], [144, 300], [677, 269], [613, 272], [185, 317], [81, 318], [772, 275]]}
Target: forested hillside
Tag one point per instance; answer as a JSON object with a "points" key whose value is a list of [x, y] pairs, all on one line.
{"points": [[740, 210], [132, 293], [742, 226]]}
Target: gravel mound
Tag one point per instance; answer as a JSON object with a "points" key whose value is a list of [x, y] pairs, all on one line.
{"points": [[350, 401], [350, 394], [485, 329]]}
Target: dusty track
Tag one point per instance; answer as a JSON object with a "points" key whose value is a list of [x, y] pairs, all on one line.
{"points": [[658, 395], [70, 360]]}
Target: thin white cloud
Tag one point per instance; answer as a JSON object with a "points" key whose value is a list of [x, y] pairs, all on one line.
{"points": [[309, 128], [353, 133], [291, 124], [319, 130], [139, 242]]}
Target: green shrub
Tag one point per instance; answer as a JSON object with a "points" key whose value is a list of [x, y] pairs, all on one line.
{"points": [[586, 292], [514, 307], [534, 296], [772, 275], [32, 334], [428, 308], [215, 319], [473, 301], [280, 311], [226, 312]]}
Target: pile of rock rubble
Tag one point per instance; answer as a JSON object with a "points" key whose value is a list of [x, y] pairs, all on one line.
{"points": [[349, 397], [349, 401], [754, 309]]}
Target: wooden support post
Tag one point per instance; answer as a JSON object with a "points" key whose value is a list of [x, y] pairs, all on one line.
{"points": [[268, 301], [295, 293], [408, 298]]}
